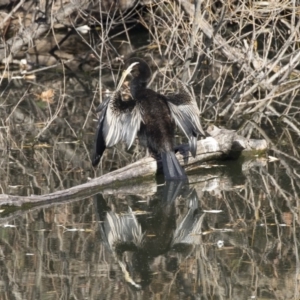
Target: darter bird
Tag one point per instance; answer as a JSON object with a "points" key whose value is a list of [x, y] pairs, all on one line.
{"points": [[149, 115]]}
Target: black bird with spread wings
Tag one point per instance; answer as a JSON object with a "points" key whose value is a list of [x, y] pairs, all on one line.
{"points": [[149, 115]]}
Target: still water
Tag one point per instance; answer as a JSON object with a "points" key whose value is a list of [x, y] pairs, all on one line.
{"points": [[232, 233], [212, 239]]}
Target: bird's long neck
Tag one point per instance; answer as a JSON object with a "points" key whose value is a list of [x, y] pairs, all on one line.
{"points": [[137, 84]]}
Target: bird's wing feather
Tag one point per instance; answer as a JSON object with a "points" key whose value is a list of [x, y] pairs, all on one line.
{"points": [[122, 121], [186, 115], [118, 121], [100, 144]]}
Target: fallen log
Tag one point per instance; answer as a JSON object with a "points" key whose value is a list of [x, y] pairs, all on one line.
{"points": [[220, 145]]}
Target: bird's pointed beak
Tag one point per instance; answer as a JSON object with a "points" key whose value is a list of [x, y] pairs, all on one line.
{"points": [[124, 75]]}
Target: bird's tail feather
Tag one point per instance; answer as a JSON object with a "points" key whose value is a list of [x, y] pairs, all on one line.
{"points": [[171, 167]]}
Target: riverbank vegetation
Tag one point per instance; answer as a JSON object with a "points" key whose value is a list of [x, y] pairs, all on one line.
{"points": [[238, 59]]}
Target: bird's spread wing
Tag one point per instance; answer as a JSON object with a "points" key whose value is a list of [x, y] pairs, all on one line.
{"points": [[118, 121], [186, 115], [100, 144], [122, 121]]}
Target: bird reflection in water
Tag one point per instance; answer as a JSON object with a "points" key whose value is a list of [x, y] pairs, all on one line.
{"points": [[136, 240]]}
